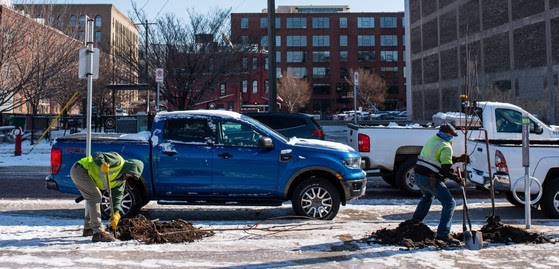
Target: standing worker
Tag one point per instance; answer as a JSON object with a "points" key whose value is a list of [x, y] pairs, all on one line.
{"points": [[432, 168], [89, 175]]}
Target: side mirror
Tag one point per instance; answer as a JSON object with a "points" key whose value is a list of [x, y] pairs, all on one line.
{"points": [[538, 129], [266, 143]]}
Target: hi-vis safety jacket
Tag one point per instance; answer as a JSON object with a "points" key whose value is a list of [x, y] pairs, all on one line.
{"points": [[435, 153], [93, 166]]}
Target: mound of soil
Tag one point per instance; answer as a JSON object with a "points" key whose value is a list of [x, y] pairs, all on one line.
{"points": [[156, 232], [410, 234], [500, 233]]}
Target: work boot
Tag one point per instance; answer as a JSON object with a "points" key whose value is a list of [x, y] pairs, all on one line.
{"points": [[449, 240], [103, 237], [87, 232]]}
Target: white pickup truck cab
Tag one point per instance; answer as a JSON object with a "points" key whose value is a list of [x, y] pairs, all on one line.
{"points": [[394, 149]]}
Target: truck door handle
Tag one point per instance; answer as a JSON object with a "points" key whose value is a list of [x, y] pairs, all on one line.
{"points": [[225, 155], [169, 152], [480, 149]]}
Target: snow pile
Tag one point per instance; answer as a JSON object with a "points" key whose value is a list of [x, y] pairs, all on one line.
{"points": [[315, 143], [457, 119], [141, 136]]}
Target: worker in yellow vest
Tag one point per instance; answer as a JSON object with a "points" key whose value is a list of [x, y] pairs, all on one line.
{"points": [[89, 175]]}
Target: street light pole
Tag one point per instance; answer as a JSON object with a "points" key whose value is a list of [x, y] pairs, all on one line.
{"points": [[89, 41], [272, 93]]}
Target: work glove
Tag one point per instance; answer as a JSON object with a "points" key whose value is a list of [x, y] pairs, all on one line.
{"points": [[114, 220], [105, 167], [460, 181], [462, 159]]}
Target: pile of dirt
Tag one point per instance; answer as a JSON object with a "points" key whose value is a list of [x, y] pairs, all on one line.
{"points": [[156, 232], [500, 233], [410, 234]]}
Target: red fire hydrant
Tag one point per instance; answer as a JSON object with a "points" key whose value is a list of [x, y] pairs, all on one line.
{"points": [[17, 133]]}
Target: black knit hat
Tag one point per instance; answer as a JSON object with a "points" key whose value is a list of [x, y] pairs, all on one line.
{"points": [[449, 129]]}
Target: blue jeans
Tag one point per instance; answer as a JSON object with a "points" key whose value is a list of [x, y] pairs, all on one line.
{"points": [[442, 193]]}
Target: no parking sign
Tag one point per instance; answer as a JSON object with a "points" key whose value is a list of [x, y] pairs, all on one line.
{"points": [[159, 75]]}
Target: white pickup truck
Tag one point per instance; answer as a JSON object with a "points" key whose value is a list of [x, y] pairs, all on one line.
{"points": [[394, 149], [506, 166]]}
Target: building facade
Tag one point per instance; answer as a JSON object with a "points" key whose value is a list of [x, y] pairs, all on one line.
{"points": [[322, 44], [512, 45]]}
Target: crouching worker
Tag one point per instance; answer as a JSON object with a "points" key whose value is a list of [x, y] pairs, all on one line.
{"points": [[89, 175], [431, 170]]}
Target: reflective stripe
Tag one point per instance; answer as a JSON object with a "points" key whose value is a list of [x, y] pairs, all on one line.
{"points": [[429, 161], [428, 165]]}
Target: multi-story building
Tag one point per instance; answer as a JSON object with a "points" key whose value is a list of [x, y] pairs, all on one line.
{"points": [[115, 35], [512, 45], [322, 44]]}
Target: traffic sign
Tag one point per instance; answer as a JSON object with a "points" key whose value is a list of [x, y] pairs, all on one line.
{"points": [[159, 75], [83, 63], [356, 79]]}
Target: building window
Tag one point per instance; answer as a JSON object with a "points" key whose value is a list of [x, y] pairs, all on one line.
{"points": [[264, 41], [343, 40], [244, 65], [60, 22], [98, 21], [389, 72], [366, 56], [321, 41], [344, 72], [296, 41], [320, 72], [245, 86], [321, 89], [82, 21], [278, 56], [254, 86], [343, 56], [244, 40], [320, 23], [297, 72], [343, 22], [389, 40], [72, 21], [97, 37], [365, 22], [321, 56], [295, 57], [365, 40], [222, 89], [296, 23], [278, 72], [266, 63], [388, 22], [254, 63], [389, 56], [244, 23], [264, 22], [266, 86], [51, 21]]}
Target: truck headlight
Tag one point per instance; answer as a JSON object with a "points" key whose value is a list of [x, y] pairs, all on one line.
{"points": [[352, 162]]}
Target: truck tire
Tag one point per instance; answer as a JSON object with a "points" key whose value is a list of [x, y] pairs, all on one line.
{"points": [[550, 199], [316, 198], [131, 203], [510, 198], [388, 177], [405, 177]]}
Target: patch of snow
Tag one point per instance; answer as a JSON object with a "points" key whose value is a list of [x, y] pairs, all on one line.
{"points": [[32, 155], [141, 136], [155, 137], [197, 113], [320, 143]]}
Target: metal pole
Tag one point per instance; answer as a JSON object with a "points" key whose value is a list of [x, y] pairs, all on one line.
{"points": [[272, 94], [354, 102], [89, 42], [157, 100], [146, 62], [526, 164]]}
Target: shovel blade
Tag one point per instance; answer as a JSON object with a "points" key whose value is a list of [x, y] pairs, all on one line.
{"points": [[473, 240]]}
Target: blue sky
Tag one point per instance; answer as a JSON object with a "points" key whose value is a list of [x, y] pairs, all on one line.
{"points": [[152, 7]]}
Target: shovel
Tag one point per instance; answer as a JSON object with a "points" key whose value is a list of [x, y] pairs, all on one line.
{"points": [[493, 219], [473, 240], [110, 197]]}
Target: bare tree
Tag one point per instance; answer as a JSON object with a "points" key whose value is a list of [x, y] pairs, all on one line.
{"points": [[372, 89], [194, 53], [295, 92]]}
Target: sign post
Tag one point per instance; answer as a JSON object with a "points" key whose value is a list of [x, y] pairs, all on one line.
{"points": [[89, 69], [159, 77], [526, 164], [355, 84]]}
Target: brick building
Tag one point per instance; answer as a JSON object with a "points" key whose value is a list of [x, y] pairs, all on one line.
{"points": [[322, 43], [514, 42]]}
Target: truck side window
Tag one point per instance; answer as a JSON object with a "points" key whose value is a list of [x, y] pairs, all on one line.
{"points": [[237, 134], [510, 121], [195, 131]]}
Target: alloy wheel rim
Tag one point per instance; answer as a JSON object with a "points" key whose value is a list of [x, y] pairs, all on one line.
{"points": [[316, 202], [410, 180], [556, 201], [125, 206]]}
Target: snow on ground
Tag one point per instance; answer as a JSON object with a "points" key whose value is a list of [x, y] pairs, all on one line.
{"points": [[37, 240], [38, 155]]}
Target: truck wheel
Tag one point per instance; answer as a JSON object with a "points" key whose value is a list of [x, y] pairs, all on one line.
{"points": [[405, 177], [131, 203], [510, 198], [316, 198], [550, 199], [388, 177]]}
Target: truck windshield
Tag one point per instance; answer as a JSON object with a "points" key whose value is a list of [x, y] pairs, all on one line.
{"points": [[266, 129]]}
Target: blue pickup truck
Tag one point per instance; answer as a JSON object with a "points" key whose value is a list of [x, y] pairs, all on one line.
{"points": [[222, 158]]}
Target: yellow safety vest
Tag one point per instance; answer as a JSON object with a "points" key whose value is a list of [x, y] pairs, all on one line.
{"points": [[98, 176], [431, 157]]}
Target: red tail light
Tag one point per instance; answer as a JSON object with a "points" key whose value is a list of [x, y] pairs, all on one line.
{"points": [[501, 163], [318, 132], [364, 143], [55, 160]]}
